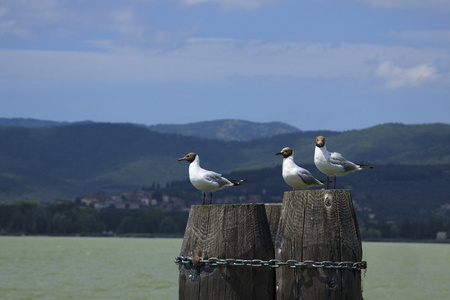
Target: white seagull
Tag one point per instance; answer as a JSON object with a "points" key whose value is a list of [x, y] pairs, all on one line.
{"points": [[333, 163], [295, 176], [204, 180]]}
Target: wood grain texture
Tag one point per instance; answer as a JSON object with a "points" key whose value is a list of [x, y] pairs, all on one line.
{"points": [[228, 231], [351, 249], [273, 212], [318, 225]]}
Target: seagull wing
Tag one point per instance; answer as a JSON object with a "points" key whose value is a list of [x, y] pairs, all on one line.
{"points": [[217, 179], [307, 177], [337, 159]]}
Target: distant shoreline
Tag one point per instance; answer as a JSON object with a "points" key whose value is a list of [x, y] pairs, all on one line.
{"points": [[139, 235], [127, 235]]}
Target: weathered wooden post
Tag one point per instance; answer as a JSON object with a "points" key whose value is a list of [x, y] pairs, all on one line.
{"points": [[273, 212], [227, 232], [228, 251], [318, 229]]}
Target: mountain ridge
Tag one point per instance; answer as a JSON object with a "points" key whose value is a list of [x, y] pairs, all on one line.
{"points": [[69, 161], [226, 129]]}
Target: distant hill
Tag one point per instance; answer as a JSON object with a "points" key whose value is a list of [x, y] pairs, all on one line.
{"points": [[36, 123], [227, 130], [44, 163], [29, 122]]}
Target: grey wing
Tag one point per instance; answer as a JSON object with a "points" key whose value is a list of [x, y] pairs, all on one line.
{"points": [[307, 177], [337, 159], [217, 179]]}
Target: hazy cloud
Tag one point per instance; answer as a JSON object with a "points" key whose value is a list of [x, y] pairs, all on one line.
{"points": [[252, 4], [121, 24], [32, 19], [217, 59], [423, 35], [54, 51], [134, 45], [63, 19], [396, 77], [435, 4]]}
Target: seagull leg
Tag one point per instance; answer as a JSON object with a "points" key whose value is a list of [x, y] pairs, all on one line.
{"points": [[210, 199], [204, 195], [334, 182]]}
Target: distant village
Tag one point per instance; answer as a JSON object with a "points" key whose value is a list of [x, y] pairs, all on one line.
{"points": [[145, 199], [150, 199]]}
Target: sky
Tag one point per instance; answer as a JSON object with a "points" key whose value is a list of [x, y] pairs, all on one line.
{"points": [[313, 64]]}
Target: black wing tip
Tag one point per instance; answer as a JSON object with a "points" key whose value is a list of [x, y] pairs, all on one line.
{"points": [[365, 166], [238, 182]]}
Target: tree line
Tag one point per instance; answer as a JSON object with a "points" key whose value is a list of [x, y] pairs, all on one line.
{"points": [[419, 229], [34, 218]]}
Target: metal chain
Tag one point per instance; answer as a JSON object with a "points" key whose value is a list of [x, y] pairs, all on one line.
{"points": [[273, 263]]}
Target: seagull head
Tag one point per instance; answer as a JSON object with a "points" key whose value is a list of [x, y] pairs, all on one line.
{"points": [[286, 152], [190, 157], [320, 141]]}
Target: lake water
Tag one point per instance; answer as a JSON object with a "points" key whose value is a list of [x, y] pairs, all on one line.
{"points": [[129, 268]]}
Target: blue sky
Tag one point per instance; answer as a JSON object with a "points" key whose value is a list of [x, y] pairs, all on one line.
{"points": [[314, 64]]}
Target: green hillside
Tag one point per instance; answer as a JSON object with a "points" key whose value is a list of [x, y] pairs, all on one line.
{"points": [[69, 161], [226, 130]]}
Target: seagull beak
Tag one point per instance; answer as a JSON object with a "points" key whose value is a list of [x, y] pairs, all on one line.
{"points": [[183, 158], [278, 153]]}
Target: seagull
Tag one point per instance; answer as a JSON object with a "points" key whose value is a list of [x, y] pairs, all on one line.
{"points": [[204, 180], [295, 176], [333, 163]]}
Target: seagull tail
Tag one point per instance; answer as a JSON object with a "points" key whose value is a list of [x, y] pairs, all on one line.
{"points": [[238, 182], [365, 167]]}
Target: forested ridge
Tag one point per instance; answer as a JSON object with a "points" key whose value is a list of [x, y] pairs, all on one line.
{"points": [[40, 164]]}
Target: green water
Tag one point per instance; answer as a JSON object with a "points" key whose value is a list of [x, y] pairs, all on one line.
{"points": [[88, 268], [122, 268], [407, 271]]}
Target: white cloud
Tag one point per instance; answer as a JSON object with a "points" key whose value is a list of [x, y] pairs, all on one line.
{"points": [[207, 60], [396, 77]]}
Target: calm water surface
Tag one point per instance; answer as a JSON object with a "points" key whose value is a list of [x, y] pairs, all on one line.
{"points": [[406, 271], [122, 268], [88, 268]]}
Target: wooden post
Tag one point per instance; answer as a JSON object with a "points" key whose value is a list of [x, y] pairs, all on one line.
{"points": [[273, 212], [226, 232], [318, 225]]}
